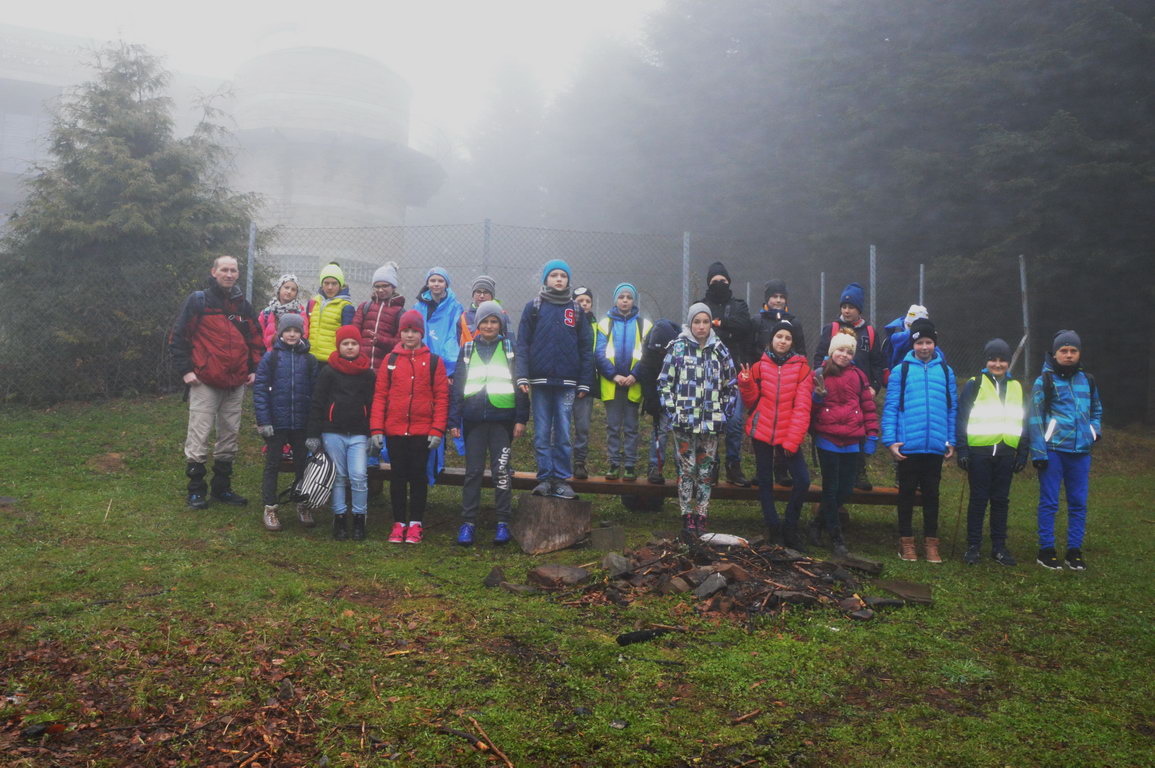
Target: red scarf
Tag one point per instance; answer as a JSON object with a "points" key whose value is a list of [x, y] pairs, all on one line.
{"points": [[354, 367]]}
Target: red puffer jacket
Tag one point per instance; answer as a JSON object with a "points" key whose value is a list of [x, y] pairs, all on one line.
{"points": [[777, 399], [216, 336], [378, 321], [404, 403], [847, 413]]}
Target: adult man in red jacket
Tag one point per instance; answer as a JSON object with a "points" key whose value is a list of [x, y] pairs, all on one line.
{"points": [[216, 345]]}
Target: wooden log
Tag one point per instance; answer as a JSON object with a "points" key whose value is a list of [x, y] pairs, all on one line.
{"points": [[544, 524]]}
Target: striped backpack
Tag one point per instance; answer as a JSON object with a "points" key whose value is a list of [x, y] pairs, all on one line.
{"points": [[317, 483]]}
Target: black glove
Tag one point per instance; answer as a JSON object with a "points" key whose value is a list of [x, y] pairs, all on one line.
{"points": [[1040, 464], [1020, 464], [964, 461]]}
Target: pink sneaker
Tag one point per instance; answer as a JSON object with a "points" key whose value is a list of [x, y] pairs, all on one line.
{"points": [[398, 534], [413, 535]]}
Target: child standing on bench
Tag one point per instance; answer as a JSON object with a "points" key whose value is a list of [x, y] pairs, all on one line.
{"points": [[620, 343]]}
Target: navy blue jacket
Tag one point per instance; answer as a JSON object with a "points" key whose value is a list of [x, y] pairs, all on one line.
{"points": [[282, 397], [555, 346], [477, 407]]}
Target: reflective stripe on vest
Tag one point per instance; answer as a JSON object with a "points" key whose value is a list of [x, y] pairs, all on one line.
{"points": [[641, 327], [993, 421], [494, 377]]}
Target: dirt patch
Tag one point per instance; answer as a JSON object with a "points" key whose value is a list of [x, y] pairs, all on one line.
{"points": [[381, 599], [107, 463]]}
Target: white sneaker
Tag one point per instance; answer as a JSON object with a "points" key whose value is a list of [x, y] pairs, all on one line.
{"points": [[270, 519]]}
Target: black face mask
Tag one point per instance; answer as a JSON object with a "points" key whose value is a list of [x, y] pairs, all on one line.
{"points": [[719, 291]]}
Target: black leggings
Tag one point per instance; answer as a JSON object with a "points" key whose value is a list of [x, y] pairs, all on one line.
{"points": [[408, 486], [275, 444], [919, 471]]}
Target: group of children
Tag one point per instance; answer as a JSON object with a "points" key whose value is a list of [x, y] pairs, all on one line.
{"points": [[376, 379]]}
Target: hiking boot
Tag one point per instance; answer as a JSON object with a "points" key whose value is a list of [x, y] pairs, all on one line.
{"points": [[838, 547], [700, 525], [614, 473], [397, 535], [973, 555], [465, 535], [1003, 556], [305, 515], [792, 539], [630, 475], [579, 471], [734, 475], [542, 489], [930, 544], [772, 534], [563, 490], [814, 530], [222, 489], [358, 527], [1074, 560], [690, 523], [413, 533], [906, 549], [861, 481], [655, 477], [270, 519], [502, 535], [1048, 559], [339, 531], [229, 496], [197, 501]]}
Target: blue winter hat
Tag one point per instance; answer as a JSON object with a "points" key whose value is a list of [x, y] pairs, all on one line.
{"points": [[438, 271], [553, 264], [854, 296], [628, 287]]}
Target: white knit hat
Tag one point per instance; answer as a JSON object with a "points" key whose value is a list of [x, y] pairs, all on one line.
{"points": [[915, 312], [844, 339]]}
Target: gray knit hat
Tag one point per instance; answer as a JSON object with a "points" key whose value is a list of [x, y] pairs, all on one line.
{"points": [[1066, 339], [697, 309], [484, 283], [489, 309], [290, 320], [387, 273]]}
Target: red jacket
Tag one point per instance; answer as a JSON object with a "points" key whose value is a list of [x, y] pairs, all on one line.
{"points": [[778, 400], [847, 413], [378, 321], [217, 337], [404, 403]]}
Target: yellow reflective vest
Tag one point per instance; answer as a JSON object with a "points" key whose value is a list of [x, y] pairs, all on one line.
{"points": [[606, 328], [494, 377], [994, 418]]}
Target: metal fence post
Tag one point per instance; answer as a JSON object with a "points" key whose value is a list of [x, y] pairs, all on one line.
{"points": [[251, 262], [873, 274], [685, 273], [747, 294], [485, 248], [921, 283], [821, 298], [1026, 318]]}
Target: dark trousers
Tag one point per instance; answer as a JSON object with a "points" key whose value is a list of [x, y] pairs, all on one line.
{"points": [[276, 444], [838, 473], [990, 481], [919, 472], [408, 484], [495, 438], [765, 456]]}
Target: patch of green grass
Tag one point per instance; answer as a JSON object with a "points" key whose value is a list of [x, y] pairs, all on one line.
{"points": [[124, 615]]}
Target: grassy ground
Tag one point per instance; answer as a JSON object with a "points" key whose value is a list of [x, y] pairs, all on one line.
{"points": [[135, 632]]}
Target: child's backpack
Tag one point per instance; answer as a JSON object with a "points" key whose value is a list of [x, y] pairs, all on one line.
{"points": [[317, 483]]}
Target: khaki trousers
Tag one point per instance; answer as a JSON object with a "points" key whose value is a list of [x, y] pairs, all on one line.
{"points": [[209, 407]]}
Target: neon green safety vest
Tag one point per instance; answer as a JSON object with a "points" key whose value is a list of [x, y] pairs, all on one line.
{"points": [[993, 421], [494, 377], [605, 328]]}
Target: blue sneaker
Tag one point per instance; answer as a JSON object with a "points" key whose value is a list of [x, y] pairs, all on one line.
{"points": [[502, 535], [465, 535]]}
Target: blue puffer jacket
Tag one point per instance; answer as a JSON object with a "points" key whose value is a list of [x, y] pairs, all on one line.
{"points": [[553, 347], [1075, 409], [441, 327], [282, 397], [921, 406]]}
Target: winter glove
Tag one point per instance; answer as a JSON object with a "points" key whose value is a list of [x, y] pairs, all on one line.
{"points": [[434, 441], [266, 431], [313, 444], [1020, 464], [1040, 464], [964, 461], [378, 442]]}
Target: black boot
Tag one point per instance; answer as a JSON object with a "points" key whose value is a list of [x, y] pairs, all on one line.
{"points": [[340, 533], [815, 531], [861, 481], [222, 484], [791, 538], [838, 546], [735, 476], [197, 487], [358, 527], [772, 535]]}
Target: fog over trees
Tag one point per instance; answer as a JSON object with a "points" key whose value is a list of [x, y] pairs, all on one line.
{"points": [[953, 134]]}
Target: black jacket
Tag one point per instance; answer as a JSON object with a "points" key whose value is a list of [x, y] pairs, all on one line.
{"points": [[341, 402], [648, 368], [766, 322], [733, 325]]}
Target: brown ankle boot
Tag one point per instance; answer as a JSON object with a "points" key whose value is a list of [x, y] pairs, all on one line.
{"points": [[906, 548], [931, 546]]}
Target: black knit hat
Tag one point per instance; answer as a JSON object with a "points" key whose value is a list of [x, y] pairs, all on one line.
{"points": [[923, 329], [581, 290], [772, 287], [782, 325], [997, 349], [717, 268]]}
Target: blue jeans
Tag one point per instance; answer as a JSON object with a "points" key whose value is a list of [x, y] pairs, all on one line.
{"points": [[583, 409], [350, 454], [735, 432], [660, 441], [552, 413], [1072, 470]]}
